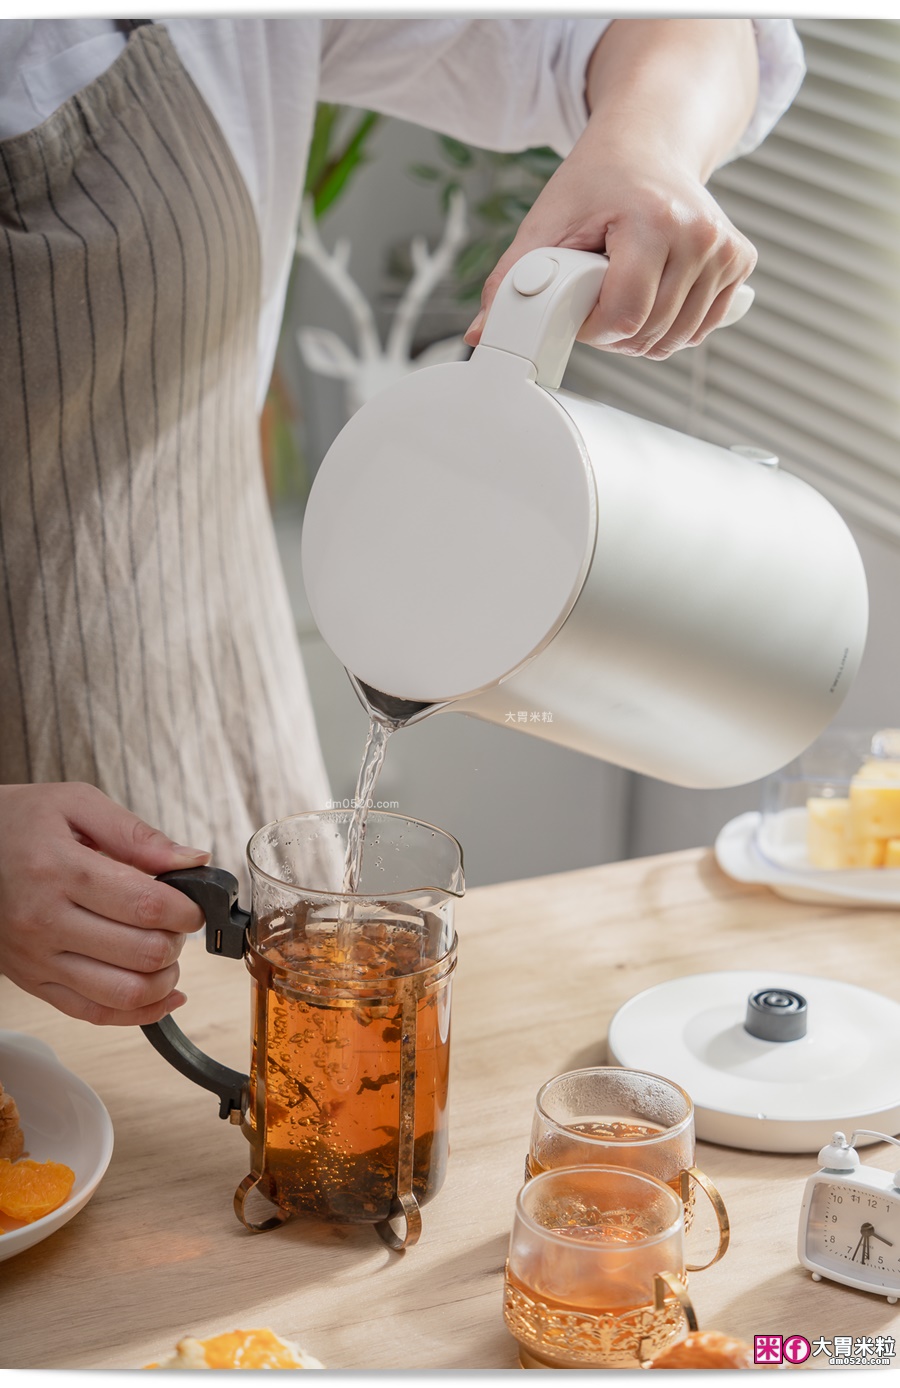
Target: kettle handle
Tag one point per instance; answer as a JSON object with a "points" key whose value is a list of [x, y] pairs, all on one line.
{"points": [[545, 298], [215, 892]]}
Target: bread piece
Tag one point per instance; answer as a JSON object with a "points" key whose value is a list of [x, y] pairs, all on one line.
{"points": [[238, 1349], [12, 1139], [705, 1349]]}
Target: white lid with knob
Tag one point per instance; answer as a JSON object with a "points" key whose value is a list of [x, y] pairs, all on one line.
{"points": [[784, 1090]]}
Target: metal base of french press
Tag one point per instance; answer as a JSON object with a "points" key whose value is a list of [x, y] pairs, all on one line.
{"points": [[406, 1207], [274, 1221]]}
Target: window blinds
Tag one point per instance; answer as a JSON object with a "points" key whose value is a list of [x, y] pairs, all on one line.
{"points": [[813, 371]]}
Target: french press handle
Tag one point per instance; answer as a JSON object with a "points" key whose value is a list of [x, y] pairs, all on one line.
{"points": [[215, 892]]}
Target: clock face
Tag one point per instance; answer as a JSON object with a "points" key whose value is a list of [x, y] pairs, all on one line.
{"points": [[855, 1230]]}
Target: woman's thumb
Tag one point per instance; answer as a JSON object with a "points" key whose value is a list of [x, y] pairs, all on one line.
{"points": [[525, 241]]}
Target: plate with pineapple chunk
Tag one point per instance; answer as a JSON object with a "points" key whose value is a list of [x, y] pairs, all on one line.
{"points": [[56, 1141], [829, 827]]}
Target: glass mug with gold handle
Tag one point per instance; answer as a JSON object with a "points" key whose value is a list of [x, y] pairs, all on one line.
{"points": [[596, 1276], [615, 1117]]}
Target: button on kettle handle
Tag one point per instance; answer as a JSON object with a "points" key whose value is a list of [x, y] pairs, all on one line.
{"points": [[545, 298]]}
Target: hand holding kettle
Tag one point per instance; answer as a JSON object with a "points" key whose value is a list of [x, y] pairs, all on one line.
{"points": [[633, 185]]}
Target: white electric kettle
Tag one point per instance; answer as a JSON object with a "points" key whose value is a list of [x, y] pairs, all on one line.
{"points": [[480, 540]]}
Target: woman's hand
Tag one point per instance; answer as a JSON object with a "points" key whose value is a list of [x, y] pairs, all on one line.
{"points": [[675, 260], [669, 99], [83, 924]]}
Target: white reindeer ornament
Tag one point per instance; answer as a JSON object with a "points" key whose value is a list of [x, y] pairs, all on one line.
{"points": [[375, 366]]}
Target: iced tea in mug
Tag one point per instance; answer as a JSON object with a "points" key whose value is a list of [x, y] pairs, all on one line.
{"points": [[345, 1106]]}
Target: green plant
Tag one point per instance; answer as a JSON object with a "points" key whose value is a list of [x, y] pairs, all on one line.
{"points": [[500, 189], [337, 150]]}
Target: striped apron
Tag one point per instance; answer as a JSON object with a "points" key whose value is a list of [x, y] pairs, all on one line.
{"points": [[147, 640]]}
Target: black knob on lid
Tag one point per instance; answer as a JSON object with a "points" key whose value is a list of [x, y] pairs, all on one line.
{"points": [[776, 1014]]}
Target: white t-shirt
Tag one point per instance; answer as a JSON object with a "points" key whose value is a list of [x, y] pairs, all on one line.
{"points": [[503, 84]]}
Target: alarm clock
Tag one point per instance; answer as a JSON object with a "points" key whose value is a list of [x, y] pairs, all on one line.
{"points": [[850, 1220]]}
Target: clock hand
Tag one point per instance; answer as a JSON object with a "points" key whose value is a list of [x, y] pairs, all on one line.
{"points": [[881, 1240], [867, 1232], [856, 1250]]}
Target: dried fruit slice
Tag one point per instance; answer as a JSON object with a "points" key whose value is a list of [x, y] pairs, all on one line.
{"points": [[31, 1189], [238, 1349], [705, 1349], [12, 1139]]}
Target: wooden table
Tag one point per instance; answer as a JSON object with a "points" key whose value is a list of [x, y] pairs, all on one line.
{"points": [[544, 964]]}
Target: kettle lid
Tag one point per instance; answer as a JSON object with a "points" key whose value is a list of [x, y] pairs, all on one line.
{"points": [[778, 1089], [449, 529]]}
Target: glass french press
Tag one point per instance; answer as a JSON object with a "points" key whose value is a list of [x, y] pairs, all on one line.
{"points": [[345, 1105]]}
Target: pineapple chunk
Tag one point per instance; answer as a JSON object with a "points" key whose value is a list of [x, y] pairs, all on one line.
{"points": [[874, 809], [892, 853], [831, 840], [826, 832], [865, 853]]}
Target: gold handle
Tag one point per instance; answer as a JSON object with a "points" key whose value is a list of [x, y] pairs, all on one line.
{"points": [[718, 1204], [665, 1282]]}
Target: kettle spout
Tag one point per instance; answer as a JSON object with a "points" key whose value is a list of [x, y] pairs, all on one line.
{"points": [[388, 708]]}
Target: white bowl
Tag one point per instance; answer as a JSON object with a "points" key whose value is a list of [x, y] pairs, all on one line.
{"points": [[63, 1120]]}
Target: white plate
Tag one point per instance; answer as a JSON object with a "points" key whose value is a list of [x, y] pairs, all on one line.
{"points": [[738, 854], [63, 1120]]}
